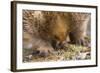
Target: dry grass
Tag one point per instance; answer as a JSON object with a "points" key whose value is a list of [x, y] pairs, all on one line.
{"points": [[70, 52]]}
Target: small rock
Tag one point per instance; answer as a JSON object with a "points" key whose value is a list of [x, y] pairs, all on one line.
{"points": [[29, 57]]}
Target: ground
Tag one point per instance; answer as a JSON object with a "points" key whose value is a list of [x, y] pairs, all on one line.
{"points": [[70, 52]]}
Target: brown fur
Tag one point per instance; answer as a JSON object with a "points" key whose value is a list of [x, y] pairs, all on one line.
{"points": [[51, 28]]}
